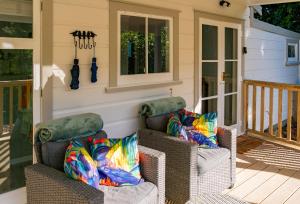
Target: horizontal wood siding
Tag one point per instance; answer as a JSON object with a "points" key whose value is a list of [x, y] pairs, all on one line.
{"points": [[119, 110]]}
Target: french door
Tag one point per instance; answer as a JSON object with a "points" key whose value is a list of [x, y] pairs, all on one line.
{"points": [[220, 70], [19, 93]]}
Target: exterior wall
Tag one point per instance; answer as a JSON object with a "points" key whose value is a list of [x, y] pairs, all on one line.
{"points": [[266, 61], [118, 110]]}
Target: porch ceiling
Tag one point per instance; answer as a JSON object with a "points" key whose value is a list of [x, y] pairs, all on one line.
{"points": [[261, 2]]}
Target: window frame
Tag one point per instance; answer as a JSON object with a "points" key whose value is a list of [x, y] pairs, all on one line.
{"points": [[149, 80], [291, 61], [141, 78]]}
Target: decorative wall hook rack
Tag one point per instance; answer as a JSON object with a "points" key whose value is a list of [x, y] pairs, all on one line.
{"points": [[84, 39]]}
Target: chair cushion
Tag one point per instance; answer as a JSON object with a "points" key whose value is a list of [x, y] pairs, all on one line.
{"points": [[53, 153], [158, 123], [143, 193], [210, 158]]}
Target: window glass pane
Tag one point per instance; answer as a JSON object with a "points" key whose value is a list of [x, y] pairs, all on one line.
{"points": [[16, 18], [209, 42], [132, 45], [291, 51], [158, 45], [230, 110], [231, 43], [230, 77], [16, 117], [209, 79], [209, 106]]}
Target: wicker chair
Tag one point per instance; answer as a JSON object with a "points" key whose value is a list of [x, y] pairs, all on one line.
{"points": [[46, 183], [190, 170]]}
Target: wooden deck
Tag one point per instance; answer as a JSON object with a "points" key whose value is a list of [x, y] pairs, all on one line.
{"points": [[266, 173]]}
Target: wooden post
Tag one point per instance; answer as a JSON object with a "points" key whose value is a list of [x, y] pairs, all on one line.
{"points": [[298, 116], [271, 112], [28, 95], [245, 91], [254, 108], [289, 116], [262, 109], [19, 97], [1, 110], [11, 106], [280, 113]]}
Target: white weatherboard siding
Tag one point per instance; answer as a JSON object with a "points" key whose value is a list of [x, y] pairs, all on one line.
{"points": [[265, 61], [119, 110]]}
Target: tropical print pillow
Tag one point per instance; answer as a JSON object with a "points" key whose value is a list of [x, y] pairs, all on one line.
{"points": [[79, 165], [117, 160], [197, 128], [175, 128]]}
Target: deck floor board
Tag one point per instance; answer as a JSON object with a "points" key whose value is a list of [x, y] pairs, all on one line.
{"points": [[266, 173]]}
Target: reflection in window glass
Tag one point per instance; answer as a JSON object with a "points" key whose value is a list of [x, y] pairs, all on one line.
{"points": [[231, 43], [209, 79], [209, 42], [132, 45], [230, 77], [158, 46], [16, 124], [16, 18], [209, 106], [230, 110]]}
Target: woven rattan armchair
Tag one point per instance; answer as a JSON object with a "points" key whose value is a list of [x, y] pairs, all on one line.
{"points": [[185, 178], [46, 185]]}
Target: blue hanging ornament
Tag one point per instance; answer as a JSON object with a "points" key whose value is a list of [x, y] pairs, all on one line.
{"points": [[75, 75], [94, 69]]}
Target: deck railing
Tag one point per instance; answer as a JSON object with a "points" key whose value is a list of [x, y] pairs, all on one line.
{"points": [[293, 110], [9, 89]]}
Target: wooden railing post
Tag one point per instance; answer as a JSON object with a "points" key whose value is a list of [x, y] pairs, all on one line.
{"points": [[1, 110], [271, 112], [280, 113], [298, 116], [254, 108], [245, 91], [262, 109], [289, 116]]}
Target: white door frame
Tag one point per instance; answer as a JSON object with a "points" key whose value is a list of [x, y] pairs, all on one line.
{"points": [[221, 25], [34, 44]]}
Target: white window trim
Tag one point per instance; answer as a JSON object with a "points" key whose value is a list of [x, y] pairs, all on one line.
{"points": [[293, 60], [147, 78]]}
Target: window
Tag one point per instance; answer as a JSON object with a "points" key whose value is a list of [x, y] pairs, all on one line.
{"points": [[145, 53], [292, 52], [143, 45]]}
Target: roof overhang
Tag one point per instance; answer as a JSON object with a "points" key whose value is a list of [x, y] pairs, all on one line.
{"points": [[262, 2]]}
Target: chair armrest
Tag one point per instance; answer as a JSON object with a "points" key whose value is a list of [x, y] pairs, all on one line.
{"points": [[181, 163], [153, 169], [48, 185], [227, 138]]}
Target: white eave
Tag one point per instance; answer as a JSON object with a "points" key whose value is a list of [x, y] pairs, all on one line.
{"points": [[262, 2]]}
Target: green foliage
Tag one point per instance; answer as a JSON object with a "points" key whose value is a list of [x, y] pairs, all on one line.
{"points": [[12, 29], [284, 15]]}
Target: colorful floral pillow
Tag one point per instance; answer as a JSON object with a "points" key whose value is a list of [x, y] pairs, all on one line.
{"points": [[205, 130], [117, 160], [79, 165], [175, 128]]}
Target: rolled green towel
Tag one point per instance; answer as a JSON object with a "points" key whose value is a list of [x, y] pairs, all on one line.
{"points": [[69, 127], [162, 106]]}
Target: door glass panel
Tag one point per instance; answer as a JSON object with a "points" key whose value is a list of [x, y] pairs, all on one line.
{"points": [[15, 117], [231, 43], [158, 45], [133, 45], [209, 42], [16, 18], [230, 77], [209, 106], [209, 79], [230, 110]]}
